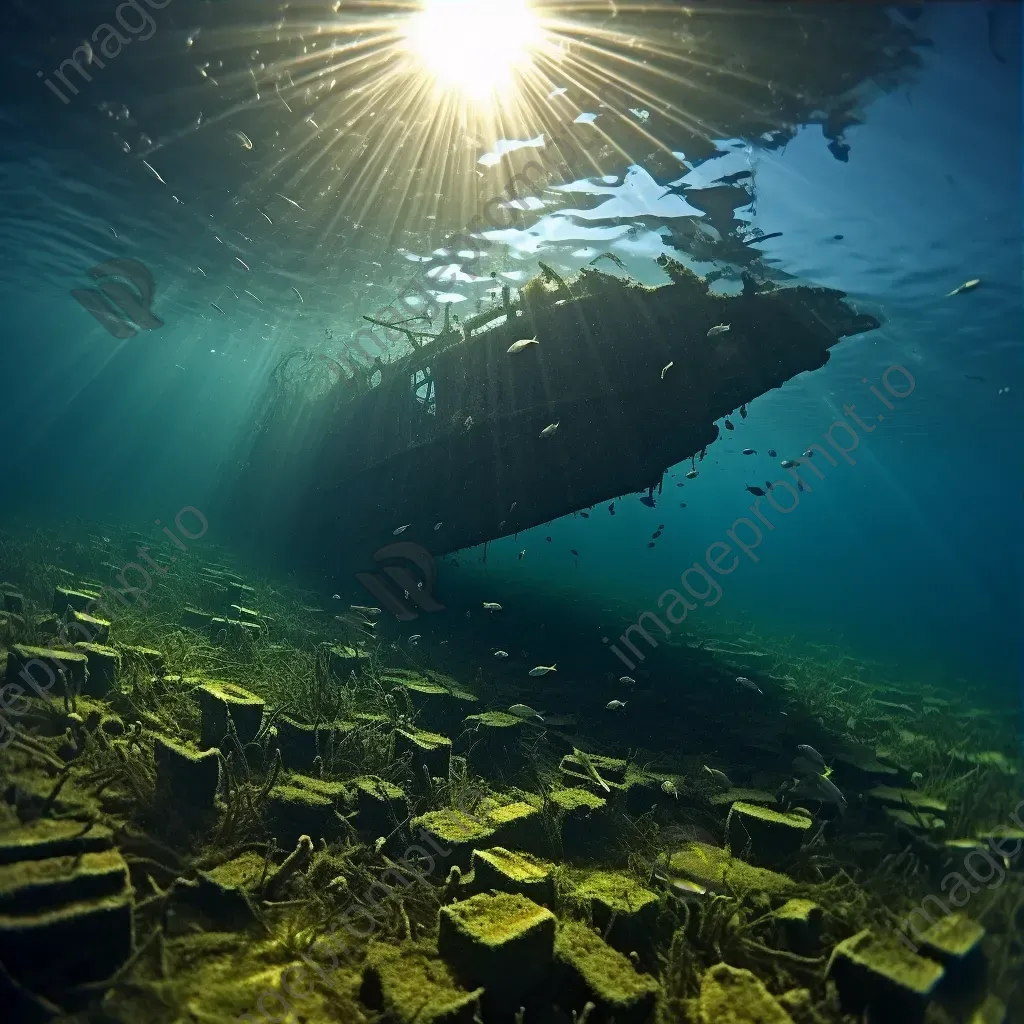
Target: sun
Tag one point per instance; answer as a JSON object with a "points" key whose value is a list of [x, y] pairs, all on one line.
{"points": [[475, 47]]}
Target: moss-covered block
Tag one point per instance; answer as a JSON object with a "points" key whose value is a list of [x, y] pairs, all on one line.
{"points": [[41, 666], [296, 809], [194, 618], [510, 871], [589, 970], [890, 796], [612, 770], [955, 941], [30, 886], [800, 923], [772, 837], [188, 775], [716, 870], [381, 806], [733, 995], [409, 985], [495, 743], [342, 661], [503, 942], [149, 656], [52, 837], [430, 751], [96, 629], [582, 825], [457, 832], [519, 826], [884, 978], [620, 906], [440, 704], [77, 600], [104, 665], [298, 743], [218, 700], [243, 614], [14, 602]]}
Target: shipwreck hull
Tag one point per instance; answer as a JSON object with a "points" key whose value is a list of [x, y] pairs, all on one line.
{"points": [[451, 434]]}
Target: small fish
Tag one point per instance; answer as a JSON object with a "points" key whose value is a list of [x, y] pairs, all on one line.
{"points": [[244, 264], [521, 554], [468, 422], [967, 286], [335, 597], [768, 485], [813, 756], [691, 475], [743, 412], [287, 200], [549, 429], [665, 369], [756, 490], [573, 551], [523, 343], [799, 485], [656, 535], [809, 454], [219, 310], [669, 787], [772, 453], [366, 610], [829, 791], [719, 778], [748, 683], [491, 606], [415, 638], [749, 451], [87, 46], [242, 138], [627, 680], [513, 505], [524, 711], [718, 329], [250, 294], [728, 424], [648, 501], [296, 290], [542, 670], [614, 705], [400, 529], [789, 463], [682, 504], [548, 539], [501, 654], [584, 515], [650, 543], [437, 526], [152, 170], [611, 508]]}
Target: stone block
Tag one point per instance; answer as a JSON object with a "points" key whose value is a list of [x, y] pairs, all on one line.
{"points": [[52, 837], [955, 942], [297, 741], [305, 806], [342, 661], [188, 775], [104, 665], [589, 970], [78, 600], [381, 806], [218, 700], [457, 831], [407, 985], [583, 826], [733, 994], [771, 837], [14, 602], [193, 618], [510, 871], [96, 630], [519, 826], [883, 978], [41, 665], [429, 750], [800, 922], [620, 907], [503, 942]]}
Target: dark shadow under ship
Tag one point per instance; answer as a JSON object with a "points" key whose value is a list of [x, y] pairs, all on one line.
{"points": [[449, 441]]}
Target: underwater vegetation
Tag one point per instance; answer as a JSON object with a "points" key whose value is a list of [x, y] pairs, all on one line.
{"points": [[242, 801]]}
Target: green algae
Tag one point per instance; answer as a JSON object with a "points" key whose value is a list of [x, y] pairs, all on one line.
{"points": [[608, 975], [618, 891], [714, 868], [573, 798], [453, 826], [495, 720], [493, 920]]}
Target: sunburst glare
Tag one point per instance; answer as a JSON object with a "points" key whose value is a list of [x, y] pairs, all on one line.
{"points": [[475, 46]]}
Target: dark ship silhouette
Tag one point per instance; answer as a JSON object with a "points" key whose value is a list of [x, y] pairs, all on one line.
{"points": [[450, 443]]}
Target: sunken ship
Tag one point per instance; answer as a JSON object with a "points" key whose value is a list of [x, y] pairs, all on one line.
{"points": [[451, 445]]}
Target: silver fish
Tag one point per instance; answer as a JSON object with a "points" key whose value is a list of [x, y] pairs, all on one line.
{"points": [[627, 680], [549, 430], [718, 329], [501, 654], [492, 606], [748, 683], [812, 755], [542, 670], [524, 343], [614, 705], [719, 778], [665, 369], [967, 286], [524, 711]]}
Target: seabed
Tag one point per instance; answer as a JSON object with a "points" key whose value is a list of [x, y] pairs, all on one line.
{"points": [[225, 801]]}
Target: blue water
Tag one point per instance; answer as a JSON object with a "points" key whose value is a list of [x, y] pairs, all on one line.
{"points": [[910, 556]]}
